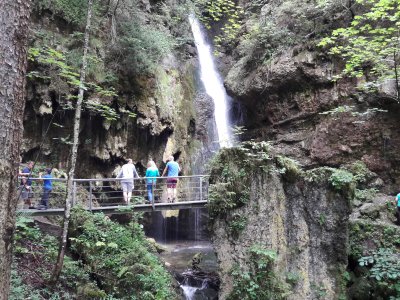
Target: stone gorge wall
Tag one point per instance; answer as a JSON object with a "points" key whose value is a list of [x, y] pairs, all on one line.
{"points": [[282, 81], [299, 216], [166, 119]]}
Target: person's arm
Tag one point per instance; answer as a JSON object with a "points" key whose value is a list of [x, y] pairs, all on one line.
{"points": [[147, 173], [135, 173], [165, 170], [22, 173], [119, 174]]}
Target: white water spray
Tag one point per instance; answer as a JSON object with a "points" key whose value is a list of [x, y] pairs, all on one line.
{"points": [[213, 84]]}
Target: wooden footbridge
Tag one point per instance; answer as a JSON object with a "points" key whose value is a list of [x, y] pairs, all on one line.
{"points": [[105, 195]]}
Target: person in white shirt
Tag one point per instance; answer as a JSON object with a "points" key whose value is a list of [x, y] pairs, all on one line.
{"points": [[127, 173]]}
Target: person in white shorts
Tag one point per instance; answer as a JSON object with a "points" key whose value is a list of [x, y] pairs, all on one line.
{"points": [[127, 173]]}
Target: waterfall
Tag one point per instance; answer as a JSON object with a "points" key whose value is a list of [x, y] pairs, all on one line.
{"points": [[213, 84], [189, 291]]}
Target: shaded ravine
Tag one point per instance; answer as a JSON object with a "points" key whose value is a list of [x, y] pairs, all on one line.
{"points": [[190, 254]]}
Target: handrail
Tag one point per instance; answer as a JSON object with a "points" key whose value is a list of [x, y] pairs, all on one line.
{"points": [[105, 191], [110, 179], [140, 178]]}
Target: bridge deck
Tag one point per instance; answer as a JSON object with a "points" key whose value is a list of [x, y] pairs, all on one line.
{"points": [[105, 195], [121, 209]]}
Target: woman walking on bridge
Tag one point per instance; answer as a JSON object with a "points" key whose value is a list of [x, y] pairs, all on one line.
{"points": [[128, 173], [151, 174]]}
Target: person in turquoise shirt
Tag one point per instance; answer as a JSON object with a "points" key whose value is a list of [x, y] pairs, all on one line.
{"points": [[151, 174], [398, 208]]}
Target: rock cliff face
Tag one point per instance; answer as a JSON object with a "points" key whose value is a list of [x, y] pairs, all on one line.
{"points": [[299, 217], [282, 85], [282, 81], [163, 99]]}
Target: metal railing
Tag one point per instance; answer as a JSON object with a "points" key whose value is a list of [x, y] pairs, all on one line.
{"points": [[105, 192]]}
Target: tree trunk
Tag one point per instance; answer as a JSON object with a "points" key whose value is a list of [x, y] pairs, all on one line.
{"points": [[14, 18], [67, 211]]}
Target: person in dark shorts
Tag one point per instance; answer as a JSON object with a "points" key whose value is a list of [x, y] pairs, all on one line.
{"points": [[47, 188], [172, 169], [398, 208], [26, 184]]}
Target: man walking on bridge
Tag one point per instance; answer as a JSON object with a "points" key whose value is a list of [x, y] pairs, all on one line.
{"points": [[128, 173], [172, 169]]}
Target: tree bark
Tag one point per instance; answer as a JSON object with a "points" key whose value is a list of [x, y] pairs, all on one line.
{"points": [[74, 151], [14, 19]]}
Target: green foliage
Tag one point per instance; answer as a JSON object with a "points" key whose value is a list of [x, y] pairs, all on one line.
{"points": [[237, 224], [365, 195], [366, 237], [55, 59], [319, 290], [73, 11], [341, 179], [39, 251], [322, 219], [264, 39], [260, 280], [226, 11], [385, 270], [370, 45], [119, 256], [231, 172], [385, 264], [142, 46], [289, 167], [350, 109]]}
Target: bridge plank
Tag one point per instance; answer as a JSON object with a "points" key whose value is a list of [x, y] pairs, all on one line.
{"points": [[120, 209]]}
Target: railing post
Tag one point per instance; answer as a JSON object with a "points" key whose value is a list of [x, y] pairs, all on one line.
{"points": [[201, 188], [90, 195], [154, 196], [73, 194]]}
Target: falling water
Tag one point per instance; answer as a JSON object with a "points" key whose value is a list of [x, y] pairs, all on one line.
{"points": [[213, 84]]}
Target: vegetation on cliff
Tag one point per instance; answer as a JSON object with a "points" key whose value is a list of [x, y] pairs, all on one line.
{"points": [[105, 261]]}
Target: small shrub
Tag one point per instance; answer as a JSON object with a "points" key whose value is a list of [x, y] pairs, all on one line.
{"points": [[341, 179], [237, 224], [260, 280]]}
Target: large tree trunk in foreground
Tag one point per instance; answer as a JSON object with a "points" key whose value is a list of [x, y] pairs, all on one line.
{"points": [[14, 18], [74, 153]]}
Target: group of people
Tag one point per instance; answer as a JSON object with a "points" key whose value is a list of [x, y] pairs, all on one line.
{"points": [[25, 188], [128, 173]]}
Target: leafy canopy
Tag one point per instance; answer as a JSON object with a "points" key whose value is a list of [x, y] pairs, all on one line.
{"points": [[370, 44]]}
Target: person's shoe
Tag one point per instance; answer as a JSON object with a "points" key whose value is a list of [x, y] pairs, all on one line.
{"points": [[31, 207], [169, 200], [173, 200]]}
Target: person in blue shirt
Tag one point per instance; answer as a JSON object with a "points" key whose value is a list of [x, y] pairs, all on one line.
{"points": [[47, 188], [151, 174], [398, 208], [172, 169]]}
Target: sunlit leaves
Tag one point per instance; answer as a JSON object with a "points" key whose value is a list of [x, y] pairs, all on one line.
{"points": [[370, 44], [226, 11]]}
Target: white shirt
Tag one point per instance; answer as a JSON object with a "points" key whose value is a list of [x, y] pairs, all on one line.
{"points": [[128, 171]]}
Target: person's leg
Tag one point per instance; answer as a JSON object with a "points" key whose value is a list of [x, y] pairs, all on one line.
{"points": [[45, 198], [170, 193], [125, 191], [398, 215], [150, 192], [174, 191]]}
